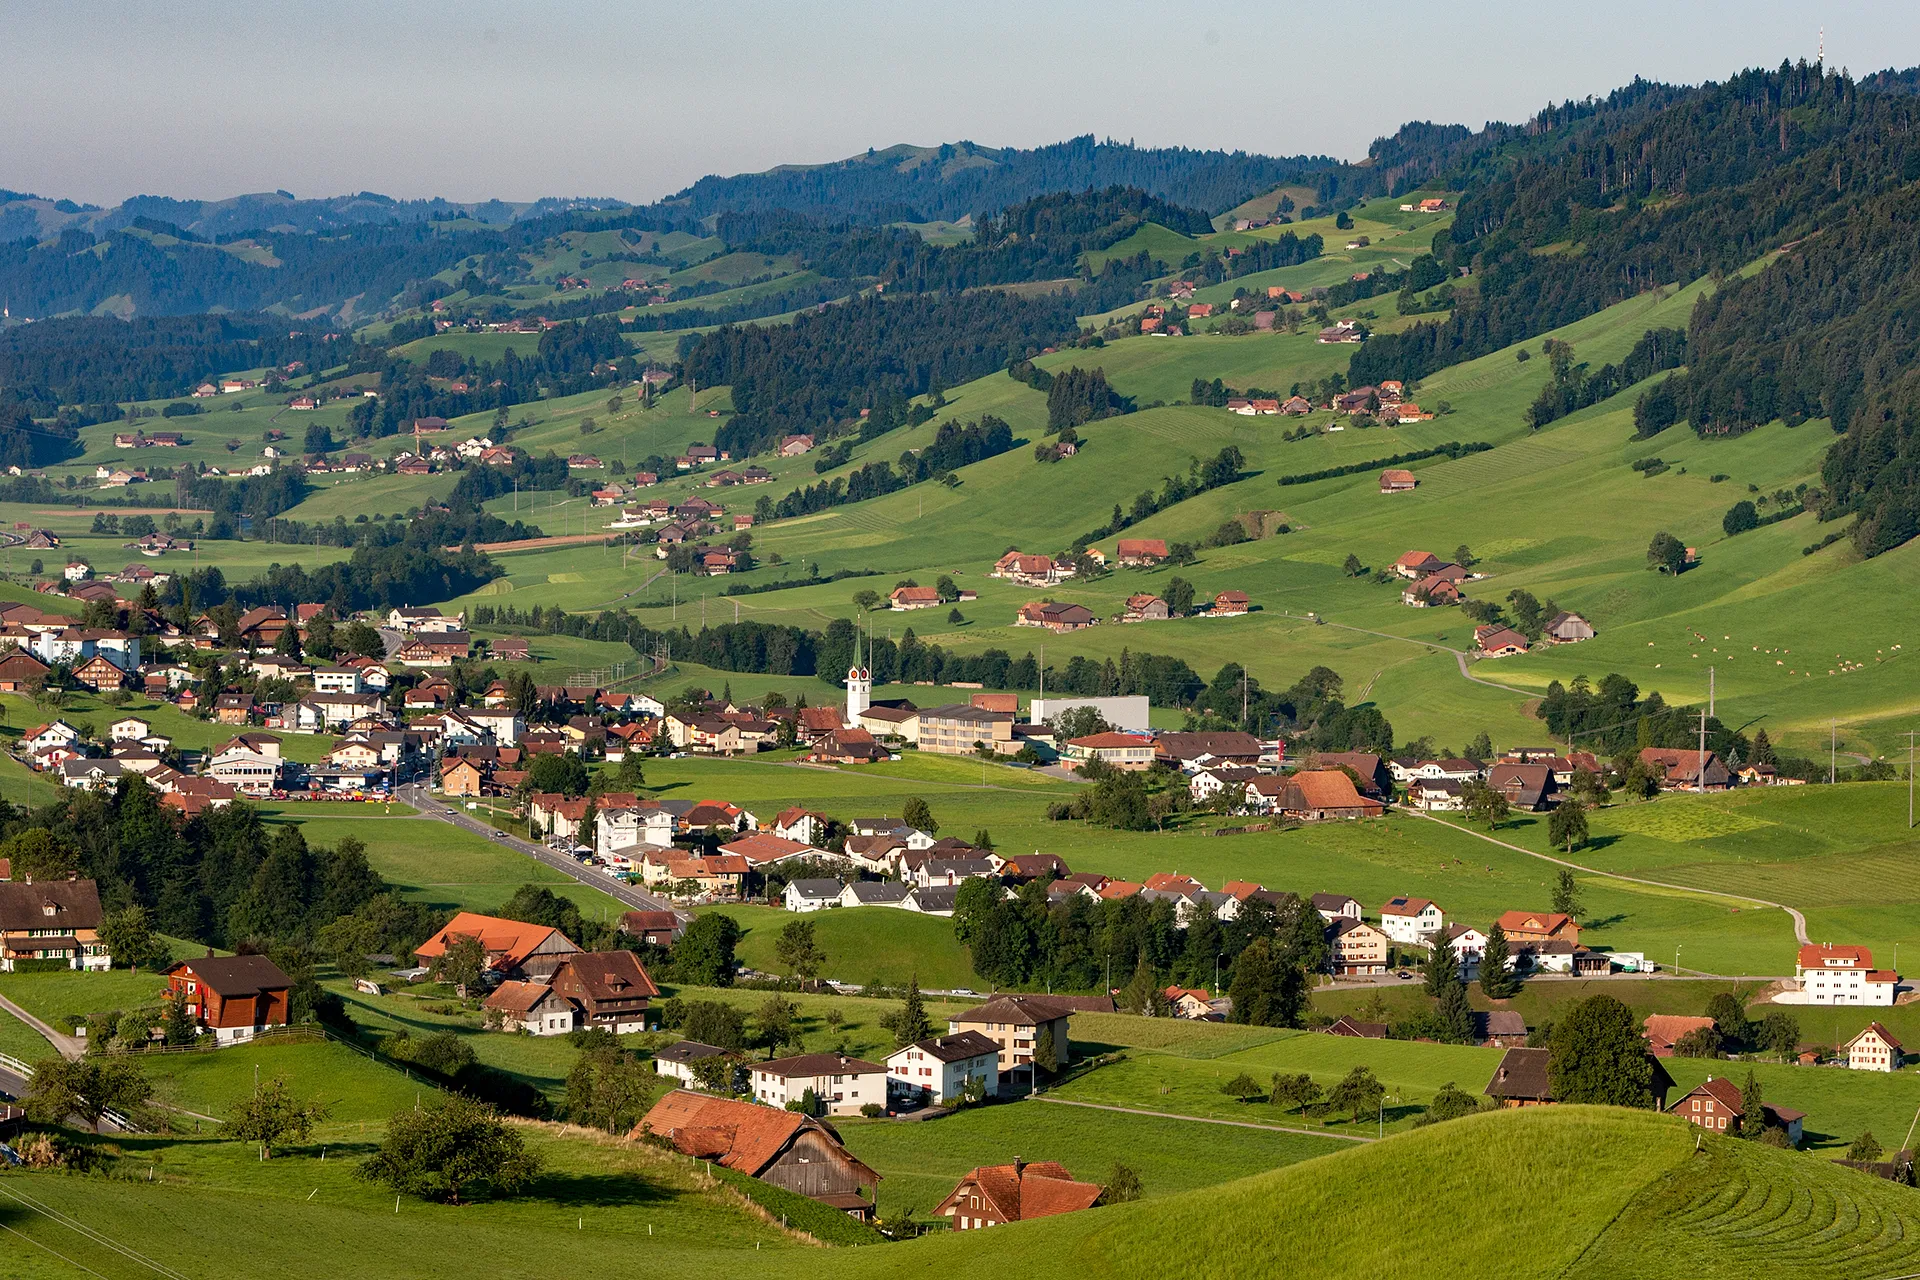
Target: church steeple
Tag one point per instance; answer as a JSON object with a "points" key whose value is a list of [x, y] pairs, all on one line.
{"points": [[859, 685]]}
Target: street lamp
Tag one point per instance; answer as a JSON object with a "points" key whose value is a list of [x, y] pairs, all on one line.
{"points": [[1676, 959]]}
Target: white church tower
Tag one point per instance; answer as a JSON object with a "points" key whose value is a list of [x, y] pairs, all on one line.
{"points": [[859, 688]]}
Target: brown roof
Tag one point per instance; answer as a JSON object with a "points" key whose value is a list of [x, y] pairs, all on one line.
{"points": [[519, 997], [1023, 1011], [75, 905], [1324, 789], [820, 1064], [1721, 1090], [609, 975], [957, 1047], [231, 976], [1522, 1073]]}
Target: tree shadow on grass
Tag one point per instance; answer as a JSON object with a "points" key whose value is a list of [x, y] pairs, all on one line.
{"points": [[1599, 844], [596, 1190], [1602, 922]]}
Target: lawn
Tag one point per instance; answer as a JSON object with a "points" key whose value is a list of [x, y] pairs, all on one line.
{"points": [[920, 1162], [355, 1088], [862, 944], [18, 1040], [61, 997]]}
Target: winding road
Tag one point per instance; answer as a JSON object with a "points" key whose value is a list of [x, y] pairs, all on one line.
{"points": [[417, 795]]}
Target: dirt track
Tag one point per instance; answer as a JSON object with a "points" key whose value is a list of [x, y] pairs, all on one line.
{"points": [[536, 544]]}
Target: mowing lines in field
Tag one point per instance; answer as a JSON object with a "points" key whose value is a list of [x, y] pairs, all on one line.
{"points": [[61, 1218]]}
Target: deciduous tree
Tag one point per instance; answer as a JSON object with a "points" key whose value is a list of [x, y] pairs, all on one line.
{"points": [[271, 1116], [1599, 1056], [450, 1151]]}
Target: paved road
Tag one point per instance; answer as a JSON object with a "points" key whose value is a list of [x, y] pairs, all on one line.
{"points": [[70, 1047], [420, 798], [1799, 920]]}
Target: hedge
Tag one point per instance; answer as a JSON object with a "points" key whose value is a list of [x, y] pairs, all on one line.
{"points": [[823, 1222], [1451, 449]]}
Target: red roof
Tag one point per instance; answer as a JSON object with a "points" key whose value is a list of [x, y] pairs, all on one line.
{"points": [[1143, 547], [738, 1134], [1022, 1191], [1104, 740], [1825, 955], [510, 940], [760, 847]]}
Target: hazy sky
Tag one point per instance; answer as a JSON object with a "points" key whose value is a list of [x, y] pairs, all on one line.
{"points": [[635, 100]]}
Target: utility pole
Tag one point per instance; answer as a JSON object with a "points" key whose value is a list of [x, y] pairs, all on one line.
{"points": [[1709, 690], [1909, 779], [1833, 750]]}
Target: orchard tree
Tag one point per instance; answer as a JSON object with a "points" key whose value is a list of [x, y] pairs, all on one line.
{"points": [[450, 1151], [1598, 1055], [272, 1116], [1666, 553], [1567, 829], [797, 952]]}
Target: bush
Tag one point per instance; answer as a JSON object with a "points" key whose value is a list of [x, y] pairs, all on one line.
{"points": [[872, 1110]]}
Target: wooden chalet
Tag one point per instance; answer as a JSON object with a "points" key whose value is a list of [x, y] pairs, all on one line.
{"points": [[785, 1148]]}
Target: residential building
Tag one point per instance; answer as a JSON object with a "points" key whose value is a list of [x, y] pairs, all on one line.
{"points": [[1397, 480], [902, 599], [1874, 1049], [1335, 907], [1312, 795], [609, 989], [1469, 945], [812, 895], [874, 893], [1230, 604], [532, 1007], [51, 920], [1352, 1028], [1494, 641], [1142, 552], [1530, 787], [1830, 974], [1412, 921], [234, 998], [1356, 948], [677, 1059], [1521, 1079], [993, 1195], [656, 928], [783, 1148], [1539, 926], [1145, 607], [842, 1085], [929, 1071], [1717, 1104], [1026, 1029], [1190, 751], [763, 849]]}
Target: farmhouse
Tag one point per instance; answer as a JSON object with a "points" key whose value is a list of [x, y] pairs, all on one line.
{"points": [[532, 1007], [609, 989], [1687, 770], [1145, 608], [1539, 926], [1874, 1049], [783, 1148], [1351, 1028], [1142, 552], [1830, 974], [1717, 1104], [905, 598], [1230, 604], [1498, 642], [513, 949], [1665, 1030], [1526, 786], [234, 997], [1312, 795], [52, 920], [1055, 616], [993, 1195]]}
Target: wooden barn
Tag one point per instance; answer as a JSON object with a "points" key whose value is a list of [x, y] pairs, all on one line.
{"points": [[785, 1148]]}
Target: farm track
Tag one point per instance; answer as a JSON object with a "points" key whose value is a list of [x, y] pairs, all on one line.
{"points": [[1799, 920]]}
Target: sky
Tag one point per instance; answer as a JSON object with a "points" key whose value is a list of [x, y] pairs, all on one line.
{"points": [[635, 100]]}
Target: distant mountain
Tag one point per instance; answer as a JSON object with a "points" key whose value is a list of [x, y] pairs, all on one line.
{"points": [[924, 184], [24, 215]]}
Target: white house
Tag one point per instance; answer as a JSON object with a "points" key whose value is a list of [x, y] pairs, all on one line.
{"points": [[874, 893], [942, 1067], [812, 895], [505, 725], [1832, 974], [532, 1007], [618, 829], [843, 1085], [56, 734], [1411, 920], [129, 729], [319, 712], [1335, 907], [1469, 946], [677, 1059], [338, 680], [1874, 1049]]}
